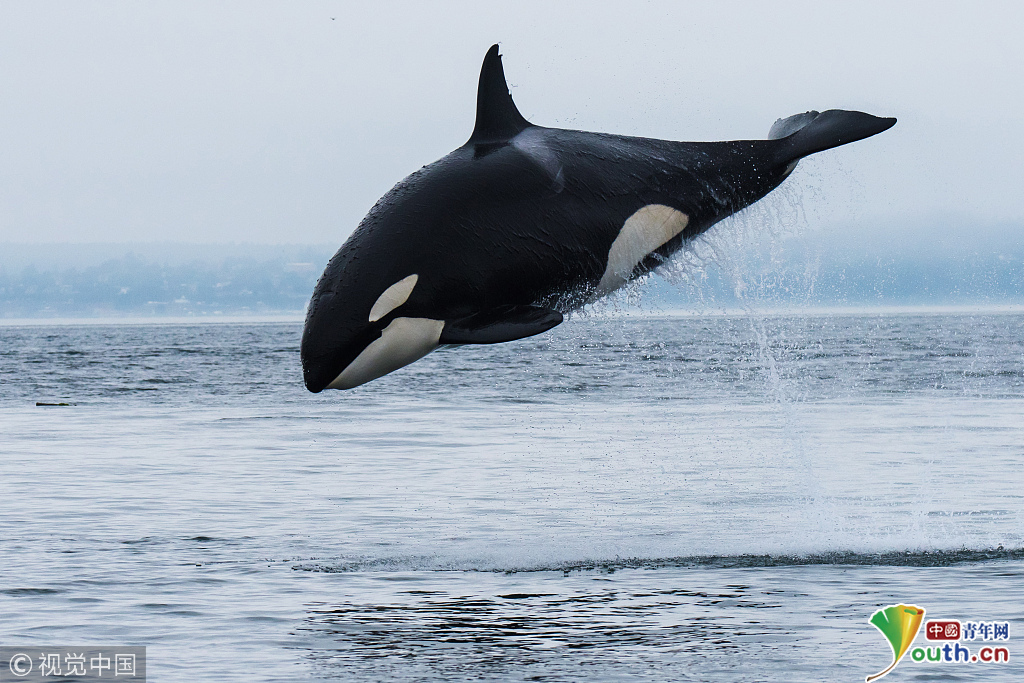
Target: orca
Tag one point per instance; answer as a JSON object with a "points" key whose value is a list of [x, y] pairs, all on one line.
{"points": [[522, 224]]}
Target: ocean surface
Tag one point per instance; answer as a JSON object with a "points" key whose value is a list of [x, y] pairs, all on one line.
{"points": [[635, 498]]}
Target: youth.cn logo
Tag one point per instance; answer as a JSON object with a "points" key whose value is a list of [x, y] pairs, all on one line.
{"points": [[900, 625]]}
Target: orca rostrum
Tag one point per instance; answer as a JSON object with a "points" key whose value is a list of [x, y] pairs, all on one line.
{"points": [[521, 224]]}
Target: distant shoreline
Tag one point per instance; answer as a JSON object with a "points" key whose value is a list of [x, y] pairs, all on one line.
{"points": [[299, 316], [813, 311]]}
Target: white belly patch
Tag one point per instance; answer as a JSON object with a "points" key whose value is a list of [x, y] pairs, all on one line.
{"points": [[643, 232], [403, 341]]}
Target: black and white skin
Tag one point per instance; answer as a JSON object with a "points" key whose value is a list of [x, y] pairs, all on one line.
{"points": [[522, 224]]}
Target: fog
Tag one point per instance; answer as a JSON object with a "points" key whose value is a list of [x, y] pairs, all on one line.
{"points": [[284, 122]]}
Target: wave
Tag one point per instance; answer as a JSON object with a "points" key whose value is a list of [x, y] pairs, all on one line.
{"points": [[893, 558]]}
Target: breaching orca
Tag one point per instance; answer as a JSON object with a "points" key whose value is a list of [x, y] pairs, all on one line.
{"points": [[521, 224]]}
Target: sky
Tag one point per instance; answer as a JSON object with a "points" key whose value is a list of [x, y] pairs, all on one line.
{"points": [[220, 122]]}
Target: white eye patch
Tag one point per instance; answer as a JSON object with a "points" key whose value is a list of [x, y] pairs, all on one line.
{"points": [[393, 297]]}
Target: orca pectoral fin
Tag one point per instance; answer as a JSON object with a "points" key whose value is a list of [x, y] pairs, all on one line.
{"points": [[500, 325]]}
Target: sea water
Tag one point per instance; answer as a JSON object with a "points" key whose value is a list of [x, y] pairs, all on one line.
{"points": [[707, 498]]}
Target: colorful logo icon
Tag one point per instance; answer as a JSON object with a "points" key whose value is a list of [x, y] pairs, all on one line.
{"points": [[899, 624]]}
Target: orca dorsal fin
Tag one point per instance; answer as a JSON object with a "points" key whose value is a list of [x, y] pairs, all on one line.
{"points": [[497, 119]]}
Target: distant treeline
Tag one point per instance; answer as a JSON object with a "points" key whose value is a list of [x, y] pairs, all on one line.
{"points": [[211, 280], [138, 285], [845, 280]]}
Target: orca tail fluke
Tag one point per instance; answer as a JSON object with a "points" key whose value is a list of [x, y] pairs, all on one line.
{"points": [[811, 132]]}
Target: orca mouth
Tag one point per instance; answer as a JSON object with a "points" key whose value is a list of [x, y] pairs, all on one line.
{"points": [[318, 373], [326, 352], [401, 342], [374, 352]]}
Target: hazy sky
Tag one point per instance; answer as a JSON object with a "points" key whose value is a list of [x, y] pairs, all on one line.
{"points": [[284, 122]]}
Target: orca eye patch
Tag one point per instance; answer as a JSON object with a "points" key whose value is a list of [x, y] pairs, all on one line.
{"points": [[393, 297]]}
